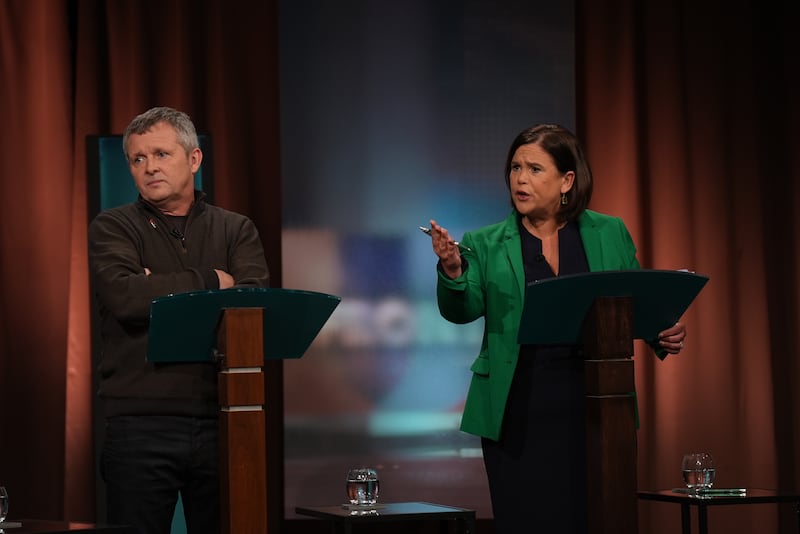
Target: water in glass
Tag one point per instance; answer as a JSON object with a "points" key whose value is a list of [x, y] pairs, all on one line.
{"points": [[362, 486], [698, 470]]}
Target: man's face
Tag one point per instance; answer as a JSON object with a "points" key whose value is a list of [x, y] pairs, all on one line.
{"points": [[162, 170]]}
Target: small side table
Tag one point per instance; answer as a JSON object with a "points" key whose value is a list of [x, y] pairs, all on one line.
{"points": [[343, 518], [752, 496]]}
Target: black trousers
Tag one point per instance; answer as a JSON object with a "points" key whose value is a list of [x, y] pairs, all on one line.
{"points": [[148, 460], [537, 471]]}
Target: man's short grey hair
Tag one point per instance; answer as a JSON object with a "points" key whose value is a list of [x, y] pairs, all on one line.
{"points": [[187, 135]]}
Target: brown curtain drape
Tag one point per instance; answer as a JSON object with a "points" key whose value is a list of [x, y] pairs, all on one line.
{"points": [[688, 116], [74, 68]]}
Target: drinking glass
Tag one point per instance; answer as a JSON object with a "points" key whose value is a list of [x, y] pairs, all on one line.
{"points": [[698, 470], [362, 486], [3, 503]]}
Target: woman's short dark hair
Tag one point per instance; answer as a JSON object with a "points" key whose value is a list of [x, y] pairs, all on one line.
{"points": [[566, 151]]}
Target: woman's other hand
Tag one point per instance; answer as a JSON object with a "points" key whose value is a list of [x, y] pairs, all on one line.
{"points": [[673, 339]]}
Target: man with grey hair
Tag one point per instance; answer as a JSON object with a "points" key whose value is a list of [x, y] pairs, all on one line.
{"points": [[161, 419]]}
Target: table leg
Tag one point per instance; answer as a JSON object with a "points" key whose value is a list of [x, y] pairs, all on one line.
{"points": [[686, 519], [702, 518]]}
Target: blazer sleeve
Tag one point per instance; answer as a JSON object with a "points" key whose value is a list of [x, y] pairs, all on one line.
{"points": [[462, 300]]}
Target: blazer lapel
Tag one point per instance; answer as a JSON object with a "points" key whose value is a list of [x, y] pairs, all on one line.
{"points": [[513, 246], [591, 242]]}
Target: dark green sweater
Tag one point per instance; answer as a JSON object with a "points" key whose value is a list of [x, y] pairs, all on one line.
{"points": [[123, 242]]}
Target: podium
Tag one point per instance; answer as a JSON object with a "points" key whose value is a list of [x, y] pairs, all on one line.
{"points": [[604, 312], [238, 329]]}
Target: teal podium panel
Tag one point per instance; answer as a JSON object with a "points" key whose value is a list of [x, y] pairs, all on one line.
{"points": [[555, 308], [183, 326]]}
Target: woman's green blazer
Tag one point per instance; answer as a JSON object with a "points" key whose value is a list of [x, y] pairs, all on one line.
{"points": [[493, 287]]}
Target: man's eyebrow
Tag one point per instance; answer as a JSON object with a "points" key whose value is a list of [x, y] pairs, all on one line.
{"points": [[154, 150]]}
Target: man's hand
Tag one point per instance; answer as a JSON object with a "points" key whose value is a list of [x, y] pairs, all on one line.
{"points": [[225, 280]]}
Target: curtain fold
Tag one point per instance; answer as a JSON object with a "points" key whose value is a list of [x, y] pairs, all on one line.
{"points": [[36, 192]]}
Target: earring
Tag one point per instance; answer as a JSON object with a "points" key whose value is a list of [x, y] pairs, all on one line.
{"points": [[564, 200]]}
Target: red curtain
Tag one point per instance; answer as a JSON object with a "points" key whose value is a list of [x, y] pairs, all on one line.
{"points": [[686, 112], [71, 69]]}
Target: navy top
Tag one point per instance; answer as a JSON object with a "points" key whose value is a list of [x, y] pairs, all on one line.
{"points": [[571, 256]]}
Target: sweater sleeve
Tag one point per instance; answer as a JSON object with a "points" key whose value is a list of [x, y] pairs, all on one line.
{"points": [[247, 263]]}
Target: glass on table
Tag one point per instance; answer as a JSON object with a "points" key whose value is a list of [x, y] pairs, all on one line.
{"points": [[362, 486], [698, 471]]}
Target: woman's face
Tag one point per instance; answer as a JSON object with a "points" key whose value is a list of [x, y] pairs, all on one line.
{"points": [[536, 184]]}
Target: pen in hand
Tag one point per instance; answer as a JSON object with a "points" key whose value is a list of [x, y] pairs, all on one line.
{"points": [[427, 230]]}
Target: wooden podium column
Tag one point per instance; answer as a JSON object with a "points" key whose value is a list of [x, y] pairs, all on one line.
{"points": [[242, 436], [610, 417]]}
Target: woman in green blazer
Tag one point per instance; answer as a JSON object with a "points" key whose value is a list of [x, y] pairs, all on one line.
{"points": [[533, 446]]}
